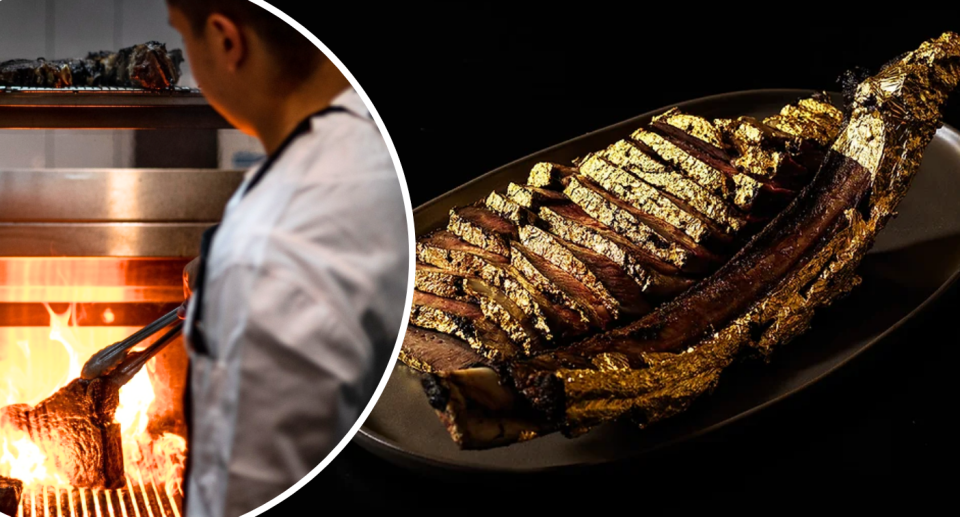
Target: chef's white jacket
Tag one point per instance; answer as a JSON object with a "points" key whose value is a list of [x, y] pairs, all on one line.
{"points": [[304, 298]]}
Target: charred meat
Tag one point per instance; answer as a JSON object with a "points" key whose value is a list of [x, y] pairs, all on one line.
{"points": [[10, 492], [76, 427], [148, 66]]}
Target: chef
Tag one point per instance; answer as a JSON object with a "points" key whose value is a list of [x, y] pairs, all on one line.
{"points": [[298, 297]]}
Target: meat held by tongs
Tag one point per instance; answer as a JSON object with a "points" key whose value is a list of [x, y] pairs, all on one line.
{"points": [[75, 426]]}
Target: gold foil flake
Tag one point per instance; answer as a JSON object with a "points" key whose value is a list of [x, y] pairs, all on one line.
{"points": [[608, 362], [692, 125], [610, 246], [508, 209], [544, 175], [823, 109], [601, 209], [644, 197], [441, 283], [413, 362], [627, 156], [757, 145], [441, 321], [743, 191], [497, 308], [476, 235]]}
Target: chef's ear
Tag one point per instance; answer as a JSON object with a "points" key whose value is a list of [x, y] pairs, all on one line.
{"points": [[228, 41]]}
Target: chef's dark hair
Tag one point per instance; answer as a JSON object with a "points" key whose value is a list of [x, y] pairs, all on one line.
{"points": [[291, 49]]}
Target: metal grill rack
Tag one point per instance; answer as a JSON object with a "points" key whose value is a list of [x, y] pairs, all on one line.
{"points": [[105, 108]]}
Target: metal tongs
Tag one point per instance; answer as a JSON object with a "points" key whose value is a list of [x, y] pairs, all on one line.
{"points": [[122, 365]]}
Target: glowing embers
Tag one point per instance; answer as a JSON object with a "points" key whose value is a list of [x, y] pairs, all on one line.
{"points": [[90, 280]]}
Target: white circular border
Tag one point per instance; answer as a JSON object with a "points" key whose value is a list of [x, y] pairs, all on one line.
{"points": [[410, 280]]}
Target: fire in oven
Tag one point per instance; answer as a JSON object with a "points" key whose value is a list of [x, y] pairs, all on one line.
{"points": [[87, 258]]}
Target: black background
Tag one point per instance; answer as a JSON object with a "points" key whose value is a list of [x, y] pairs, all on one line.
{"points": [[463, 90]]}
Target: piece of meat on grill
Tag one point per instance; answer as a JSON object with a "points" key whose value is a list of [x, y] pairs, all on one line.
{"points": [[75, 427], [148, 65], [10, 492], [595, 245]]}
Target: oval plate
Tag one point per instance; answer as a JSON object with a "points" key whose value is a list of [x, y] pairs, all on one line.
{"points": [[915, 259]]}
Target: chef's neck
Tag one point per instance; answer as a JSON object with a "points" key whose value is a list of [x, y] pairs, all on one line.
{"points": [[298, 102]]}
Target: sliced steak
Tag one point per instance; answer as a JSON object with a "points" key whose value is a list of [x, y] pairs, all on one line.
{"points": [[650, 201], [573, 224], [447, 251], [766, 152], [509, 209], [549, 175], [619, 292], [640, 161], [482, 228], [441, 282], [558, 285], [500, 309], [433, 352], [626, 220], [533, 197], [739, 189], [463, 320]]}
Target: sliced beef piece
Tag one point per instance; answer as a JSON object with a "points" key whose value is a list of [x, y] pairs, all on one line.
{"points": [[509, 209], [559, 286], [533, 197], [75, 427], [739, 189], [441, 282], [639, 160], [463, 320], [433, 352], [771, 196], [447, 251], [482, 228], [10, 492], [626, 220], [618, 291], [766, 152], [500, 309], [549, 175], [697, 127], [663, 279], [650, 201]]}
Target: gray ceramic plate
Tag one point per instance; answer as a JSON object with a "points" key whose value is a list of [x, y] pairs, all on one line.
{"points": [[914, 260]]}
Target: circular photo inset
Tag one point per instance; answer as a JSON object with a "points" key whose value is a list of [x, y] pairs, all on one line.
{"points": [[207, 257]]}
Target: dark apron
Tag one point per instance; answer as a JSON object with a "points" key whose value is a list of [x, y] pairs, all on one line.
{"points": [[198, 340]]}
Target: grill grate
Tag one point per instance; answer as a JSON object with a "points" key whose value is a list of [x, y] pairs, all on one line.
{"points": [[142, 497], [177, 90]]}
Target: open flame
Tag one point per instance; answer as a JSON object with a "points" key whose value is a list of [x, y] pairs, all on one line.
{"points": [[35, 370]]}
